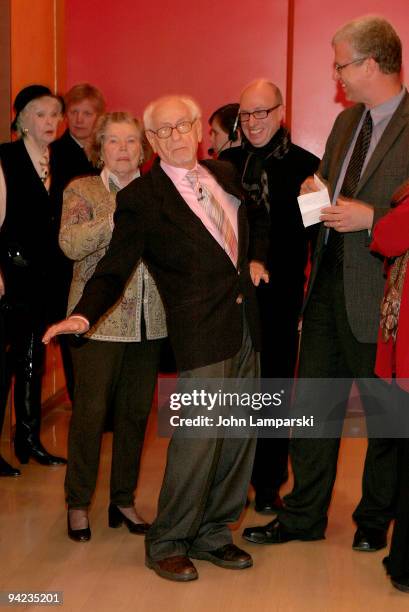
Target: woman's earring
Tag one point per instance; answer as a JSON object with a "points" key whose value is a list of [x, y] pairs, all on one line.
{"points": [[25, 131]]}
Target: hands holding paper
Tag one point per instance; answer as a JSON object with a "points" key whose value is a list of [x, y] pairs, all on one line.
{"points": [[311, 185], [313, 199], [348, 215]]}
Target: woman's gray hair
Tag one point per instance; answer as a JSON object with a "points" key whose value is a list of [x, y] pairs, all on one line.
{"points": [[19, 121], [100, 129], [192, 105]]}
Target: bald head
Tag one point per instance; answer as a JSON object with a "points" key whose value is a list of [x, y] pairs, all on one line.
{"points": [[261, 95], [262, 87]]}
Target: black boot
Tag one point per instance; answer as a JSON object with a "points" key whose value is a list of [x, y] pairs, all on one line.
{"points": [[5, 468], [8, 470], [27, 401]]}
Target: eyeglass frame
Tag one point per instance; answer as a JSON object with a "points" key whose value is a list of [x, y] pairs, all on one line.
{"points": [[260, 110], [173, 127], [340, 67]]}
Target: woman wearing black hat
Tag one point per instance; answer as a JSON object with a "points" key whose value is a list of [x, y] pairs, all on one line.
{"points": [[27, 251]]}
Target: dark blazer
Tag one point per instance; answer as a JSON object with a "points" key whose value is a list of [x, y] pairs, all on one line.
{"points": [[386, 170], [287, 235], [28, 237], [198, 283], [68, 161]]}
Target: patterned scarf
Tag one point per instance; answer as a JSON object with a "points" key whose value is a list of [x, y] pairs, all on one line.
{"points": [[254, 179], [390, 305]]}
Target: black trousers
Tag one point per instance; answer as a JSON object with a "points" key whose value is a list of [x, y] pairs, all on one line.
{"points": [[329, 350], [117, 375], [279, 314], [3, 384], [206, 480], [399, 551]]}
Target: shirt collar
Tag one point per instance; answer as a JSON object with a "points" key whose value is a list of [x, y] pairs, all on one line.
{"points": [[386, 109], [77, 141], [177, 175], [107, 175]]}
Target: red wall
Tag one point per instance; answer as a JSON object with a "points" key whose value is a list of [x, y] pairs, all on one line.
{"points": [[138, 51], [135, 52], [315, 97]]}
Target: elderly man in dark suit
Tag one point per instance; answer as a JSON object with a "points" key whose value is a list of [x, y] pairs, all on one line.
{"points": [[365, 160], [168, 217]]}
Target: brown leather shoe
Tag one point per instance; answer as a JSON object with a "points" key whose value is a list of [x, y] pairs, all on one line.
{"points": [[229, 556], [179, 568]]}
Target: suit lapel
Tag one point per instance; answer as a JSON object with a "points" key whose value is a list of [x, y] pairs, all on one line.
{"points": [[397, 123], [342, 145], [28, 168], [179, 213]]}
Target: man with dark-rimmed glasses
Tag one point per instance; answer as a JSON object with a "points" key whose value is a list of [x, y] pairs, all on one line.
{"points": [[272, 169]]}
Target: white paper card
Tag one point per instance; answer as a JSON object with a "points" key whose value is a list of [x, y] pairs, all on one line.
{"points": [[312, 203]]}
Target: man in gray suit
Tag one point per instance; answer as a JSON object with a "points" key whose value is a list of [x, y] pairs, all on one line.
{"points": [[366, 158]]}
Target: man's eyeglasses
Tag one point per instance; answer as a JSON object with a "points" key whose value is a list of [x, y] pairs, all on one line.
{"points": [[183, 127], [339, 67], [262, 113]]}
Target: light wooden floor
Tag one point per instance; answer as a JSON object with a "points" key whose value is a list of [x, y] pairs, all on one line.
{"points": [[108, 573]]}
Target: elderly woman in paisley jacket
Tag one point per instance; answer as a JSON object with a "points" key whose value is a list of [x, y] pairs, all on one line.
{"points": [[117, 362]]}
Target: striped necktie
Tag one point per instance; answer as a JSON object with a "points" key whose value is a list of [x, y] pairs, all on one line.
{"points": [[215, 212], [335, 245]]}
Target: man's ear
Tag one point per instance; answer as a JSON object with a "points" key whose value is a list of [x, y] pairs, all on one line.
{"points": [[372, 66], [199, 129]]}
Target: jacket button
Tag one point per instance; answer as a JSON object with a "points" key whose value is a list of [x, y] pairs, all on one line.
{"points": [[239, 298]]}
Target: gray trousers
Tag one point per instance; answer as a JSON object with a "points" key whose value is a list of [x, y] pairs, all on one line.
{"points": [[206, 480]]}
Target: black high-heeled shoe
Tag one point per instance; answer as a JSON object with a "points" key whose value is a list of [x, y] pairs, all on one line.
{"points": [[116, 519], [33, 449], [78, 535]]}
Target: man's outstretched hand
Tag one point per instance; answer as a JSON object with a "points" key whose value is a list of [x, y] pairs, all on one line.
{"points": [[72, 325]]}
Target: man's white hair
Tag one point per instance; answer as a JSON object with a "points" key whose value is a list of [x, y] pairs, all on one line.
{"points": [[188, 101]]}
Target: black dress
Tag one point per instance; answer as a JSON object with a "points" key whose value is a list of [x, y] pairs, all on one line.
{"points": [[28, 252]]}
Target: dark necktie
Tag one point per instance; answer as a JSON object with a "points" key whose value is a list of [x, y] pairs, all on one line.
{"points": [[335, 243]]}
